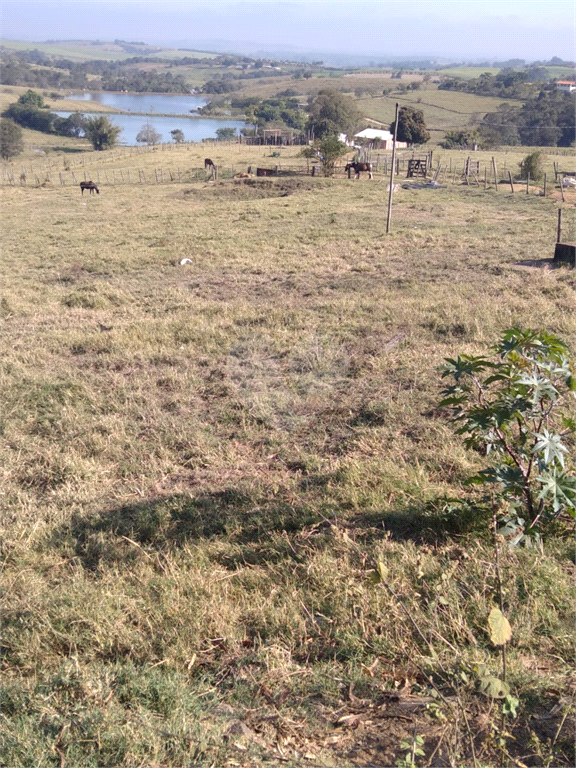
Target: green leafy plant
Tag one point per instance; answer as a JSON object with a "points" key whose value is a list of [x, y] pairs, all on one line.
{"points": [[532, 166], [413, 749], [516, 408]]}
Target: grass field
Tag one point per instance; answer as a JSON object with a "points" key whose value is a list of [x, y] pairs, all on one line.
{"points": [[468, 73], [203, 462], [443, 110], [83, 50]]}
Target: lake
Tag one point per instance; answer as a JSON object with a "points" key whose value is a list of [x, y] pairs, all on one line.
{"points": [[156, 109]]}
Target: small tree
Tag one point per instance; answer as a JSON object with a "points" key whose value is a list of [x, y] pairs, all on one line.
{"points": [[32, 99], [461, 139], [411, 126], [177, 135], [517, 408], [101, 133], [148, 135], [11, 143], [226, 134], [532, 166], [327, 150]]}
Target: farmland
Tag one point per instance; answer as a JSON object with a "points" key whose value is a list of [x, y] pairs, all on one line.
{"points": [[203, 463]]}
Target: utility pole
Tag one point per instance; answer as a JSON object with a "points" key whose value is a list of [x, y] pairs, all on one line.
{"points": [[392, 172]]}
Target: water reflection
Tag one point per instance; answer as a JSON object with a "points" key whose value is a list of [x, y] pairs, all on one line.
{"points": [[194, 129], [148, 103]]}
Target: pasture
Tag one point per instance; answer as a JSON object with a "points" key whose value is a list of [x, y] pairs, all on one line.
{"points": [[204, 461], [443, 110], [84, 50]]}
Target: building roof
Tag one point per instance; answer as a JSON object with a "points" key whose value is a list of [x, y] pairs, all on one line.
{"points": [[565, 82], [374, 133]]}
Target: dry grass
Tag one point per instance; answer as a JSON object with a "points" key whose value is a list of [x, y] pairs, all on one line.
{"points": [[202, 464]]}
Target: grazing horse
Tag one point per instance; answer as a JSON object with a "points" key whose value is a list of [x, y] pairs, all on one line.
{"points": [[89, 185], [358, 168], [208, 163]]}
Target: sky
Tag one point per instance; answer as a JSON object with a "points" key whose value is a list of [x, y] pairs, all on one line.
{"points": [[466, 29]]}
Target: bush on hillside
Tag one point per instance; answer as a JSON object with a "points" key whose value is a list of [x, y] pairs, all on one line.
{"points": [[11, 143], [532, 166]]}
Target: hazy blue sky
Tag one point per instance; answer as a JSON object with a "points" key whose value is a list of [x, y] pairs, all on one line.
{"points": [[529, 29]]}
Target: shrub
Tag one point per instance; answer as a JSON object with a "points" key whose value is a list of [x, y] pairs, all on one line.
{"points": [[516, 407], [532, 166], [11, 143]]}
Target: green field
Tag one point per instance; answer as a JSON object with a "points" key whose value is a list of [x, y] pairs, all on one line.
{"points": [[468, 73], [84, 51], [443, 110], [203, 463]]}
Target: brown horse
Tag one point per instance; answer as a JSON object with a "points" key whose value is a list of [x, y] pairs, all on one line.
{"points": [[358, 168], [89, 185], [208, 163]]}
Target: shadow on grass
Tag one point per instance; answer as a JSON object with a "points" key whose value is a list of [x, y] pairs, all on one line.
{"points": [[235, 517], [255, 527], [69, 150]]}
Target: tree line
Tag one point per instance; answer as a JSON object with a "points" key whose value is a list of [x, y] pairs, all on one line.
{"points": [[546, 119], [22, 69], [509, 83]]}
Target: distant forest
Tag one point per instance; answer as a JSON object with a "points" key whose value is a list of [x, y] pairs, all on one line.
{"points": [[38, 70]]}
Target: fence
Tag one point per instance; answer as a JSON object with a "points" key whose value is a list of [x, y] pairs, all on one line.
{"points": [[50, 173]]}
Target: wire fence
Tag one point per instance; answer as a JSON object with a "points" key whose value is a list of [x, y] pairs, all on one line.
{"points": [[50, 172]]}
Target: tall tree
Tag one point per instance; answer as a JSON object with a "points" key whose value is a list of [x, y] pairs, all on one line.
{"points": [[101, 132], [411, 126], [332, 112]]}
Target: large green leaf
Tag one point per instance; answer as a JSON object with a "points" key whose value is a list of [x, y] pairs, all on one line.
{"points": [[551, 446]]}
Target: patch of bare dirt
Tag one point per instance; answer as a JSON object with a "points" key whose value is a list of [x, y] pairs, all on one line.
{"points": [[252, 189]]}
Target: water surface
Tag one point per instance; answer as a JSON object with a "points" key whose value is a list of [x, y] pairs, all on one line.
{"points": [[194, 129]]}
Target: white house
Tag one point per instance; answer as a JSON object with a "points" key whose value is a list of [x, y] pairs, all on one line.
{"points": [[566, 85], [377, 138]]}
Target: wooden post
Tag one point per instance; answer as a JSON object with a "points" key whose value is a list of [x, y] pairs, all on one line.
{"points": [[495, 173], [545, 179], [511, 182], [527, 183], [562, 189], [389, 216], [559, 233], [485, 178]]}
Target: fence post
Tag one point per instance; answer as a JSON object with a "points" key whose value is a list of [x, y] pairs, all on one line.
{"points": [[559, 234]]}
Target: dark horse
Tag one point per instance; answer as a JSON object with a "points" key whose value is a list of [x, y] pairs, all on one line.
{"points": [[208, 163], [89, 185], [358, 168]]}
